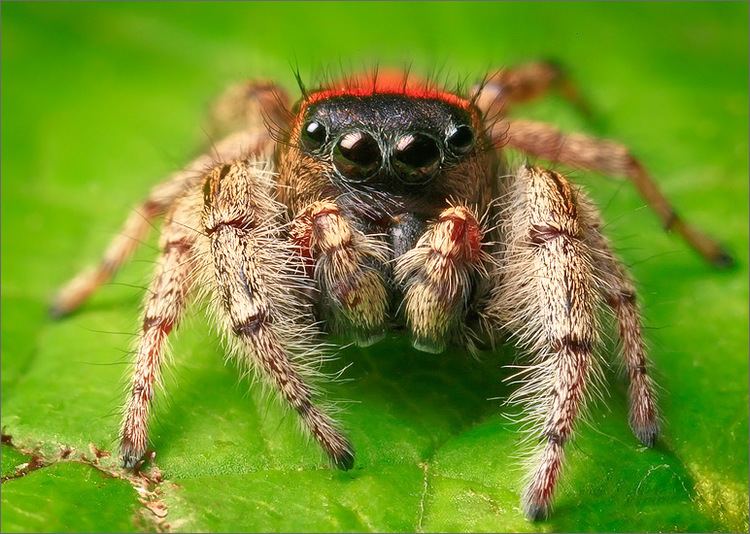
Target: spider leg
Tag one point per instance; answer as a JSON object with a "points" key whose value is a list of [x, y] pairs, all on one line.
{"points": [[252, 137], [619, 293], [260, 283], [578, 150], [165, 304], [547, 299], [524, 83], [437, 277], [251, 105], [344, 262]]}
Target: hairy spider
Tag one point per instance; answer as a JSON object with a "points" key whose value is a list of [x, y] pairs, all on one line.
{"points": [[383, 201]]}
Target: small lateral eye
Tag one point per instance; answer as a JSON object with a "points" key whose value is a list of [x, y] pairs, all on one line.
{"points": [[314, 135], [461, 139]]}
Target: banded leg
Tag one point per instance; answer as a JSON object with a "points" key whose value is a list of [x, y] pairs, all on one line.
{"points": [[344, 263], [578, 150], [644, 415], [437, 278], [523, 83], [164, 307], [547, 300], [619, 293], [261, 284], [243, 110]]}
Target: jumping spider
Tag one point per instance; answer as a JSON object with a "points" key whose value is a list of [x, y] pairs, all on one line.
{"points": [[383, 201]]}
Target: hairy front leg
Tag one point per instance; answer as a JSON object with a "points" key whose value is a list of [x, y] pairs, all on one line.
{"points": [[347, 266], [437, 278], [242, 111], [578, 150], [164, 307], [547, 300], [261, 287]]}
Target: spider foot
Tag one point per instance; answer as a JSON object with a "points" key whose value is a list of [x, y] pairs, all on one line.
{"points": [[535, 511], [344, 460], [646, 432], [536, 501], [130, 460], [132, 456], [368, 340], [724, 260], [428, 346]]}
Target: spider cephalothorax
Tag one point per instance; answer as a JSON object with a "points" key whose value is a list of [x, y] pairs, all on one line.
{"points": [[409, 146], [383, 202], [393, 157]]}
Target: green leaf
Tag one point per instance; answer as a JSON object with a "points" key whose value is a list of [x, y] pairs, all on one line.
{"points": [[102, 101], [68, 497], [12, 461]]}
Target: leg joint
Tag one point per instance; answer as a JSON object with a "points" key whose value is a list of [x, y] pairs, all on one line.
{"points": [[574, 344], [623, 296], [181, 246], [628, 295], [670, 220], [251, 325], [239, 223], [555, 438], [162, 323], [542, 233]]}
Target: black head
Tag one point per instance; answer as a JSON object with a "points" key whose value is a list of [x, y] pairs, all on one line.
{"points": [[390, 140]]}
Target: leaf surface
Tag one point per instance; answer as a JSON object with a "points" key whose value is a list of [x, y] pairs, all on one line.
{"points": [[102, 101]]}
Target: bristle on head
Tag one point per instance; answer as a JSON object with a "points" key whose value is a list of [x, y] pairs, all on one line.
{"points": [[379, 82]]}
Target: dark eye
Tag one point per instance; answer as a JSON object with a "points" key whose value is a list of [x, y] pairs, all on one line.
{"points": [[416, 158], [313, 135], [357, 156], [461, 140]]}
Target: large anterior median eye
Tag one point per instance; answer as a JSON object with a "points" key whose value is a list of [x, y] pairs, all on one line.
{"points": [[357, 156], [416, 158], [461, 139], [314, 135]]}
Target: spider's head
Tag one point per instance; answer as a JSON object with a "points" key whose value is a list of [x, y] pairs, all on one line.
{"points": [[388, 139], [405, 141]]}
